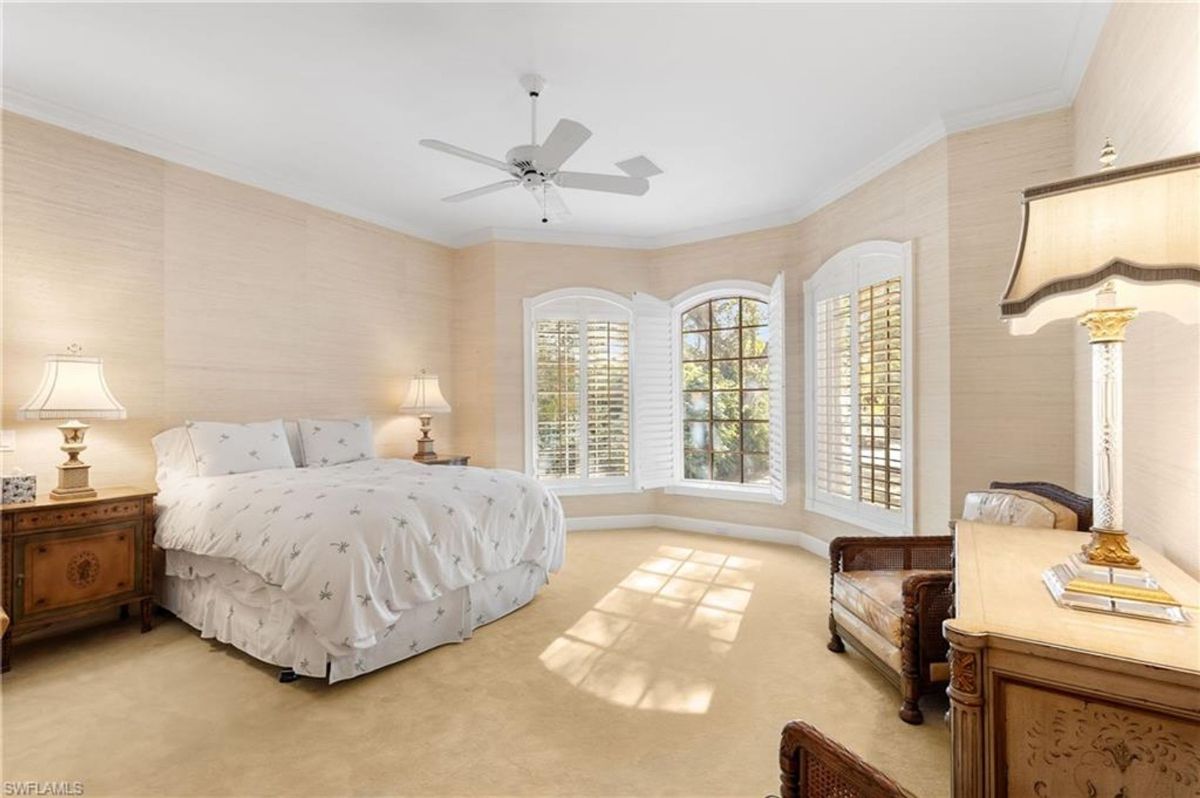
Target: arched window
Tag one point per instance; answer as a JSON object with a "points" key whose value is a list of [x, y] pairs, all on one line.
{"points": [[577, 408], [709, 369], [725, 386], [858, 403]]}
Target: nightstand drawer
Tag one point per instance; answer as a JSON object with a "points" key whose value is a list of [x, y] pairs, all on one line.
{"points": [[74, 568], [59, 517]]}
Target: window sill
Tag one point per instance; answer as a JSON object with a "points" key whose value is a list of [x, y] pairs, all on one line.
{"points": [[710, 490], [883, 526], [586, 489]]}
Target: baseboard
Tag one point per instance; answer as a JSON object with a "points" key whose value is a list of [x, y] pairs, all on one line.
{"points": [[769, 534]]}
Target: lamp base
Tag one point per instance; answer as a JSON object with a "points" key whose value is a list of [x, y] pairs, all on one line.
{"points": [[1081, 585], [73, 474], [1110, 547], [425, 443]]}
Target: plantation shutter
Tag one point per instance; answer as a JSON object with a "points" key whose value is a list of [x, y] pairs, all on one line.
{"points": [[654, 392], [833, 392], [777, 369]]}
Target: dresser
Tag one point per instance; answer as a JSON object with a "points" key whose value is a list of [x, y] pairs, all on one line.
{"points": [[64, 560], [1049, 702]]}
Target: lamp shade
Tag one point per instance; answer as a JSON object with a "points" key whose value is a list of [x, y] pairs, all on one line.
{"points": [[424, 396], [72, 387], [1137, 227]]}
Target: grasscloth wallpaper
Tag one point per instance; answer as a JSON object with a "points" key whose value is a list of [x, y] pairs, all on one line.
{"points": [[211, 299], [207, 299]]}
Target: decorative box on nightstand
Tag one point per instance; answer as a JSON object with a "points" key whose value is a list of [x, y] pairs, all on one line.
{"points": [[66, 559]]}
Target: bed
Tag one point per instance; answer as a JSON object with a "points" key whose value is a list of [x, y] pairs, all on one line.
{"points": [[334, 572]]}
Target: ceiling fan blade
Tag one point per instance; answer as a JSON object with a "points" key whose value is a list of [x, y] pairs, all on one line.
{"points": [[567, 137], [641, 166], [550, 203], [479, 192], [616, 184], [450, 149]]}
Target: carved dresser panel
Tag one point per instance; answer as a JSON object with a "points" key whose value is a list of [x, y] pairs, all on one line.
{"points": [[1048, 702]]}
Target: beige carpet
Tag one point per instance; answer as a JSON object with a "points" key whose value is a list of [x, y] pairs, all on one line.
{"points": [[656, 663]]}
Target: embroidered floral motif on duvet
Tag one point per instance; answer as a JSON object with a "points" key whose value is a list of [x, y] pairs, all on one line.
{"points": [[353, 546]]}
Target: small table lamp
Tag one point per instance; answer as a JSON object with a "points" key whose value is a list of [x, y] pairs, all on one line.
{"points": [[423, 400], [1135, 233], [73, 387]]}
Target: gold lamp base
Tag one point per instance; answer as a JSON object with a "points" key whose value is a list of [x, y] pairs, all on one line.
{"points": [[1110, 547], [73, 474]]}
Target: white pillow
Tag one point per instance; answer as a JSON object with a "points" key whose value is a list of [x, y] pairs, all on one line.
{"points": [[174, 455], [329, 442], [237, 448]]}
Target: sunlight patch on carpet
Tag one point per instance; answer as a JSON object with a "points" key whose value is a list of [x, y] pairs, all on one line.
{"points": [[658, 639]]}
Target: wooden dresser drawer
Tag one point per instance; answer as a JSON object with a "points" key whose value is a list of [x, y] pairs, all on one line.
{"points": [[59, 517], [74, 568]]}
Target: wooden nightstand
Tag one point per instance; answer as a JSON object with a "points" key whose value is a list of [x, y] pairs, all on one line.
{"points": [[447, 459], [66, 559]]}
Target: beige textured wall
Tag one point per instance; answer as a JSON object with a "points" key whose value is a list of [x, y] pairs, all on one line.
{"points": [[1142, 88], [906, 203], [1013, 396], [206, 298]]}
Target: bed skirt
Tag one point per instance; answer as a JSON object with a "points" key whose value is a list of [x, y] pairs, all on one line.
{"points": [[227, 603]]}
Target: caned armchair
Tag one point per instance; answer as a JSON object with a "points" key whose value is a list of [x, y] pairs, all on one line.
{"points": [[813, 766], [889, 596]]}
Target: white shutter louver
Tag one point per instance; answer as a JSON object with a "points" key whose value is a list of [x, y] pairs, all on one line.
{"points": [[654, 392], [834, 394], [777, 368]]}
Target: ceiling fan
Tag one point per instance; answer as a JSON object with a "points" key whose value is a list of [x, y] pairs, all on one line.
{"points": [[537, 167]]}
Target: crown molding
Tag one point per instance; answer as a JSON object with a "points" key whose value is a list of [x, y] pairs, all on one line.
{"points": [[1091, 19], [160, 147]]}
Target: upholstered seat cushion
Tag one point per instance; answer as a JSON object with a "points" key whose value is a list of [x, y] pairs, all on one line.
{"points": [[875, 597], [1018, 508]]}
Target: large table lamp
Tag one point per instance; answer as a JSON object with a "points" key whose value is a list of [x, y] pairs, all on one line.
{"points": [[1098, 249], [72, 388], [423, 400]]}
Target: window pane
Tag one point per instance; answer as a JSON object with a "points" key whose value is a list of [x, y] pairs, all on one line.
{"points": [[725, 374], [695, 375], [726, 405], [754, 341], [756, 405], [727, 436], [756, 437], [696, 435], [695, 346], [608, 398], [696, 318], [727, 467], [757, 468], [713, 360], [696, 404], [696, 465], [754, 373], [725, 343], [753, 312], [725, 313]]}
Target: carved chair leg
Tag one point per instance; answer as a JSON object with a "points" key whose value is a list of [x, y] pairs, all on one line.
{"points": [[835, 640], [911, 713]]}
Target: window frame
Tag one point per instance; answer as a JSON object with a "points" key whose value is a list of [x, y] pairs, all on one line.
{"points": [[582, 305], [849, 271], [680, 304]]}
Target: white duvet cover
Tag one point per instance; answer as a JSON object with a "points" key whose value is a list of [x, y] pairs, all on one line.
{"points": [[354, 546]]}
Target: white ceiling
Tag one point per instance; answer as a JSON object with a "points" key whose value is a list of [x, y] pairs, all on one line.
{"points": [[757, 113]]}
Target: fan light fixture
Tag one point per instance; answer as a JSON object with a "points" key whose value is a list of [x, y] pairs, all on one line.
{"points": [[537, 167]]}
